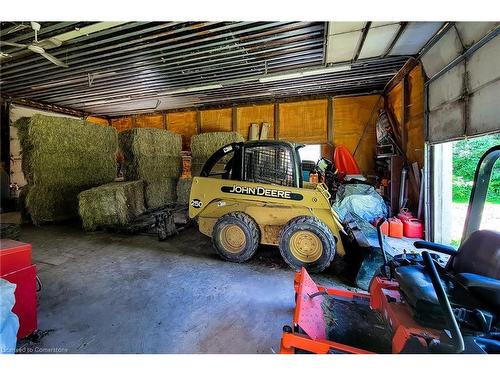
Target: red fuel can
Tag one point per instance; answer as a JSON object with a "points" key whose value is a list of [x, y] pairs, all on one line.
{"points": [[413, 228], [384, 227], [404, 215], [16, 267], [395, 227]]}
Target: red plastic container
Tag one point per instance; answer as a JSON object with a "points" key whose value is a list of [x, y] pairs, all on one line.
{"points": [[413, 228], [16, 267], [404, 215], [344, 161], [384, 228], [395, 227]]}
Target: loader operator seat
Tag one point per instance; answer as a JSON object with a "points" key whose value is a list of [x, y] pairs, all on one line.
{"points": [[476, 266]]}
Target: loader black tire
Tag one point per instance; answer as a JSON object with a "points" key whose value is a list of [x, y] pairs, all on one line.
{"points": [[235, 237], [307, 230]]}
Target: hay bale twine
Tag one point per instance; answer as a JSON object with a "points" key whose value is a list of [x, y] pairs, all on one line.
{"points": [[183, 190], [116, 203]]}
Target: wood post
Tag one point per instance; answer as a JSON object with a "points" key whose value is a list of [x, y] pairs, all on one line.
{"points": [[276, 121]]}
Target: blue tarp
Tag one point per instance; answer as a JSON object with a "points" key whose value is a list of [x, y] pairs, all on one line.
{"points": [[361, 199]]}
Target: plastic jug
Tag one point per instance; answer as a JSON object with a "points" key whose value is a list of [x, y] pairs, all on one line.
{"points": [[395, 227], [404, 215], [413, 228]]}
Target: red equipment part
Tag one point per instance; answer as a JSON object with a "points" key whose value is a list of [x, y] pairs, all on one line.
{"points": [[384, 298], [413, 228], [309, 315], [16, 267], [344, 161]]}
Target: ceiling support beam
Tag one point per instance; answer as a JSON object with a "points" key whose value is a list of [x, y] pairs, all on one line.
{"points": [[47, 106], [362, 40], [403, 72]]}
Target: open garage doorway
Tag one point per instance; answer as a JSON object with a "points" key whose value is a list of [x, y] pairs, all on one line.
{"points": [[454, 166]]}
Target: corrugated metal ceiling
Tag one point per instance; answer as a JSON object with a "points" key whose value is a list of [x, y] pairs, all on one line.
{"points": [[138, 67]]}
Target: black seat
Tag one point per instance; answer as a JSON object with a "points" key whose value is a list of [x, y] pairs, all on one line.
{"points": [[476, 266], [484, 288], [416, 286], [479, 254]]}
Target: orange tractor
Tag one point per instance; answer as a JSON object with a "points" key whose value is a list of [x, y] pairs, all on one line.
{"points": [[417, 303]]}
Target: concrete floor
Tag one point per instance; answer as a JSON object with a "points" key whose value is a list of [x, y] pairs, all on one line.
{"points": [[114, 293]]}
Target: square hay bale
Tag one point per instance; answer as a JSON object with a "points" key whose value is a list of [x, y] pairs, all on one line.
{"points": [[160, 193], [116, 203], [49, 204], [151, 154], [65, 151], [205, 144], [183, 190], [60, 158]]}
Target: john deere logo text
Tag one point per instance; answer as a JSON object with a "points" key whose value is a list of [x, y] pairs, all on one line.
{"points": [[261, 192]]}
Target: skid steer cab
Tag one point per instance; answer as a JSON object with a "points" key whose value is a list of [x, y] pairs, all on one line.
{"points": [[252, 193]]}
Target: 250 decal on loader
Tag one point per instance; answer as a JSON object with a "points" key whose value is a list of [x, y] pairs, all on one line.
{"points": [[252, 193]]}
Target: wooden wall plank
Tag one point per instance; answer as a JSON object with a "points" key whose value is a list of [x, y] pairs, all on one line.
{"points": [[395, 104], [276, 121], [415, 126], [408, 110]]}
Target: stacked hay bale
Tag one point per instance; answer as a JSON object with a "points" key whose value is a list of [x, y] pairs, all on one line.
{"points": [[116, 203], [61, 158], [183, 190], [202, 147], [153, 156], [205, 144]]}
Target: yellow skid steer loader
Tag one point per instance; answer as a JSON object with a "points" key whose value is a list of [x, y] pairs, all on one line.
{"points": [[252, 193]]}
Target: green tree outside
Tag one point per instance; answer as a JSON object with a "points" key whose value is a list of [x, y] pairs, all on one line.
{"points": [[466, 154]]}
